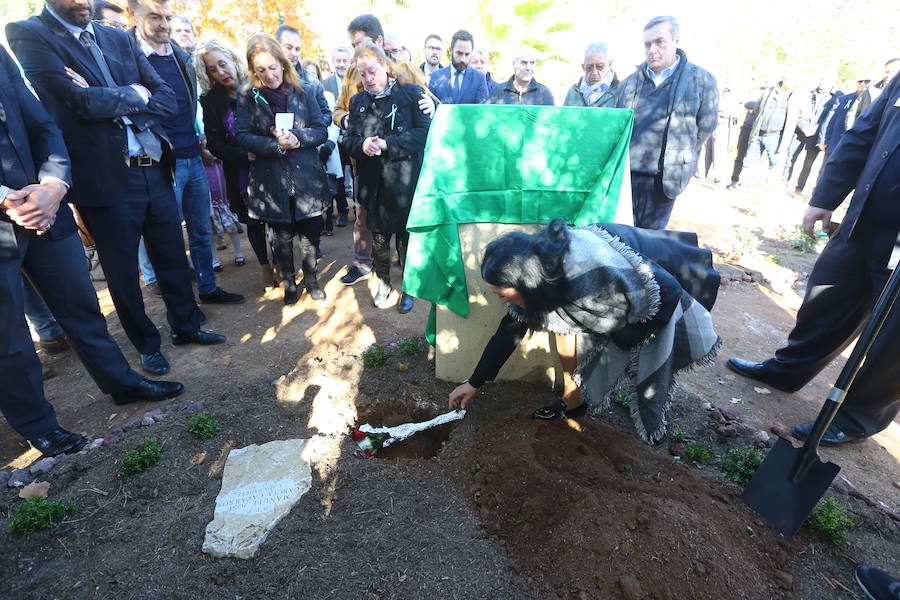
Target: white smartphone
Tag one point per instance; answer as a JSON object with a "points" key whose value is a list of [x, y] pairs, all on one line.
{"points": [[284, 121]]}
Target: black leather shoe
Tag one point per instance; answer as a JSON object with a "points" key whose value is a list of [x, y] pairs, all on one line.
{"points": [[155, 363], [220, 296], [406, 304], [833, 436], [204, 338], [58, 441], [313, 288], [758, 371], [151, 391], [291, 295]]}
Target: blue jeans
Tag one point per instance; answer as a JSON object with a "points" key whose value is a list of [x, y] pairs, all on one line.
{"points": [[767, 144], [194, 208], [39, 315]]}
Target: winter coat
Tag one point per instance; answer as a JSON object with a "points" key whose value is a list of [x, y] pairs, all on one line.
{"points": [[386, 182], [695, 114], [537, 94], [607, 99], [276, 175], [215, 103], [796, 114]]}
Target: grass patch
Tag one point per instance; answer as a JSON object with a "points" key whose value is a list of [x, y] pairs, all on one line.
{"points": [[203, 425], [774, 258], [375, 357], [698, 453], [37, 513], [410, 347], [679, 436], [739, 464], [141, 458], [829, 521], [801, 242]]}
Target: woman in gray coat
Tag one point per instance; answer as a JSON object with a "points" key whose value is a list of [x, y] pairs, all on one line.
{"points": [[288, 188]]}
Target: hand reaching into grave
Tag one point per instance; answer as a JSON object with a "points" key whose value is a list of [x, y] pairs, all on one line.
{"points": [[461, 396]]}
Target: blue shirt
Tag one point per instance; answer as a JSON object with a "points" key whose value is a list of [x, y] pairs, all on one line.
{"points": [[665, 74]]}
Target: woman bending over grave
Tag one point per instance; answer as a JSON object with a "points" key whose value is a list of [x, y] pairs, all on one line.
{"points": [[629, 308]]}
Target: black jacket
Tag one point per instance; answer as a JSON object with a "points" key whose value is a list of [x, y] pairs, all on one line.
{"points": [[537, 94], [89, 117], [276, 176], [387, 182], [216, 103]]}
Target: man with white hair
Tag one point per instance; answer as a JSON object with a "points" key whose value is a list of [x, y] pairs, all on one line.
{"points": [[522, 87], [676, 109], [481, 61], [597, 87]]}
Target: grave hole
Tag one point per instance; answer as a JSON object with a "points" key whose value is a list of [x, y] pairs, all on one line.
{"points": [[425, 444]]}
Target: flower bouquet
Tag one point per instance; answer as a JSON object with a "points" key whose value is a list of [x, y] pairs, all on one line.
{"points": [[372, 440], [370, 443]]}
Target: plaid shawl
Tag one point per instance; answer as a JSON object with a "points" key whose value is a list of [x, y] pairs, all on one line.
{"points": [[612, 287]]}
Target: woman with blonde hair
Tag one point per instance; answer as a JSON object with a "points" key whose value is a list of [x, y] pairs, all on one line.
{"points": [[287, 186], [386, 132]]}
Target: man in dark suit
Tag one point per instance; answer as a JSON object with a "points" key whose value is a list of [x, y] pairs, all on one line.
{"points": [[153, 36], [34, 179], [340, 59], [109, 103], [458, 83], [848, 277]]}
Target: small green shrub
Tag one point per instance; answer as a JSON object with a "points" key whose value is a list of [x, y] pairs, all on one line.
{"points": [[375, 357], [698, 453], [739, 464], [622, 398], [37, 513], [829, 520], [410, 347], [679, 436], [774, 258], [141, 458], [802, 242], [203, 425]]}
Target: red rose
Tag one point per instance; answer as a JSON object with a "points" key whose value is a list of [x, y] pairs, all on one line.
{"points": [[369, 453], [358, 435]]}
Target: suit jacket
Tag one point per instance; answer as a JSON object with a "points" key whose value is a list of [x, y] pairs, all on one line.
{"points": [[331, 85], [473, 89], [861, 155], [31, 148], [90, 117]]}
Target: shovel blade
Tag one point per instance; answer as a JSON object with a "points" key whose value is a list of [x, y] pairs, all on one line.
{"points": [[786, 486]]}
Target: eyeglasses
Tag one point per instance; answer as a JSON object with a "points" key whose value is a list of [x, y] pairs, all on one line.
{"points": [[435, 48], [863, 81], [593, 67]]}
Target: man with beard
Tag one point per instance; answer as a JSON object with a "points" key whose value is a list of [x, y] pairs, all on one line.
{"points": [[522, 87], [110, 105], [434, 47], [676, 109], [459, 84], [153, 34]]}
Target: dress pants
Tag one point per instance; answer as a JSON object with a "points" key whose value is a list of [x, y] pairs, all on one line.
{"points": [[38, 315], [649, 204], [22, 400], [147, 207], [381, 252], [58, 271], [843, 287]]}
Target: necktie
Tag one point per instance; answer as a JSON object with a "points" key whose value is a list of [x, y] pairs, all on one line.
{"points": [[146, 137], [457, 84]]}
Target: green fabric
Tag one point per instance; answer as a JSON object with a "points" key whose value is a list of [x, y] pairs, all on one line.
{"points": [[507, 164]]}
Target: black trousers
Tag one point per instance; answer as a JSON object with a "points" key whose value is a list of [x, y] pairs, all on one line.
{"points": [[308, 232], [22, 400], [381, 252], [650, 205], [743, 142], [146, 208], [59, 273], [843, 287]]}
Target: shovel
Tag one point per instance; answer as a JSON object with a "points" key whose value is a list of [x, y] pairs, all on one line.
{"points": [[791, 480]]}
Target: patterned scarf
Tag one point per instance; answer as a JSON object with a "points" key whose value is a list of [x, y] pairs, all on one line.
{"points": [[591, 92], [386, 91]]}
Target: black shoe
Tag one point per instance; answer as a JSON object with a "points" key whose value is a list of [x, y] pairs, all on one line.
{"points": [[355, 275], [329, 231], [59, 441], [54, 345], [291, 295], [833, 436], [406, 304], [217, 268], [758, 372], [155, 363], [313, 288], [239, 261], [150, 391], [877, 584], [204, 338], [220, 296], [341, 220], [153, 286], [548, 413]]}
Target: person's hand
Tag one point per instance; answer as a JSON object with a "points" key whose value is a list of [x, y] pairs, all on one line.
{"points": [[461, 396], [814, 214], [76, 78], [142, 91], [35, 206], [426, 105], [287, 140], [381, 143], [251, 157], [822, 147], [325, 152], [207, 157], [370, 146], [810, 130]]}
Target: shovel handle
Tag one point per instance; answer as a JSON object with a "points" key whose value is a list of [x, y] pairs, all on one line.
{"points": [[848, 374]]}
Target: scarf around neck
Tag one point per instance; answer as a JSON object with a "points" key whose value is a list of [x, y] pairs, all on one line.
{"points": [[591, 92], [386, 91]]}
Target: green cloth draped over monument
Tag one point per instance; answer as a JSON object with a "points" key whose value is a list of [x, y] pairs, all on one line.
{"points": [[508, 164]]}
